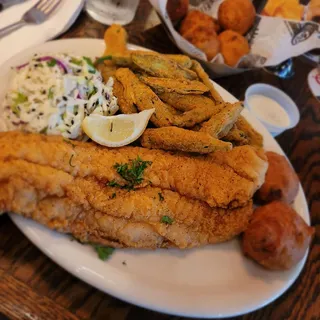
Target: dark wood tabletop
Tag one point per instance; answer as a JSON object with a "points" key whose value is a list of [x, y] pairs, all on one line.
{"points": [[32, 287]]}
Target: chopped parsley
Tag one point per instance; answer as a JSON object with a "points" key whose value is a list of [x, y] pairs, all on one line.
{"points": [[114, 195], [131, 172], [15, 110], [161, 198], [103, 252], [113, 183], [51, 63], [99, 60], [166, 220], [70, 161]]}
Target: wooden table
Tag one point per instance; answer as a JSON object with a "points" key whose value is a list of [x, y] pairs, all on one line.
{"points": [[33, 287]]}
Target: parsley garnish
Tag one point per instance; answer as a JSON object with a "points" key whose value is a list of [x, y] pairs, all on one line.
{"points": [[132, 172], [113, 195], [161, 198], [113, 183], [52, 62], [166, 220], [70, 161], [99, 60], [103, 252]]}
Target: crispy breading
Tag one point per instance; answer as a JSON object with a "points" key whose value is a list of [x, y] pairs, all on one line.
{"points": [[93, 212], [173, 138], [125, 103], [236, 136], [186, 102], [220, 124], [254, 137], [160, 66], [221, 182], [144, 98], [196, 66], [173, 85]]}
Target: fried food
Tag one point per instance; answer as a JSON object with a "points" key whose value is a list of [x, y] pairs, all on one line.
{"points": [[172, 85], [221, 123], [233, 47], [254, 137], [213, 182], [196, 66], [90, 212], [196, 108], [186, 102], [115, 38], [144, 98], [204, 39], [173, 138], [201, 30], [277, 237], [125, 102], [281, 183], [236, 137], [287, 9], [195, 18], [177, 9], [237, 15], [160, 66]]}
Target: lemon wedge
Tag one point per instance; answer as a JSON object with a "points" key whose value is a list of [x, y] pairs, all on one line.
{"points": [[116, 131]]}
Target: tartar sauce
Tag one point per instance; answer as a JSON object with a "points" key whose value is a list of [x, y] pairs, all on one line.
{"points": [[269, 110]]}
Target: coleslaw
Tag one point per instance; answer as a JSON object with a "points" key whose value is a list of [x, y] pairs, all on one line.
{"points": [[53, 94]]}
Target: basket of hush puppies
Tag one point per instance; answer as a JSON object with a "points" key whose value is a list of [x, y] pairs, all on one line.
{"points": [[229, 36]]}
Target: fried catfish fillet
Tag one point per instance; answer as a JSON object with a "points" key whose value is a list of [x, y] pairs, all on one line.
{"points": [[173, 138], [228, 179], [173, 85], [160, 66], [95, 213]]}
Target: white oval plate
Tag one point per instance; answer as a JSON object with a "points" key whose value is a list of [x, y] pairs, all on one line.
{"points": [[214, 281]]}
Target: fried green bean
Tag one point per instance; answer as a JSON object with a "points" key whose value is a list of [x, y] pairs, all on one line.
{"points": [[220, 124], [173, 138], [125, 102], [159, 66], [173, 85], [196, 66], [144, 98]]}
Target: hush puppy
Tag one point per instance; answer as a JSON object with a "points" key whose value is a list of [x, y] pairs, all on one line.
{"points": [[236, 15], [177, 9], [281, 182], [200, 30], [277, 237], [233, 46]]}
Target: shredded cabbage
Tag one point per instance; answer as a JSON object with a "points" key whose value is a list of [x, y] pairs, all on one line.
{"points": [[52, 94]]}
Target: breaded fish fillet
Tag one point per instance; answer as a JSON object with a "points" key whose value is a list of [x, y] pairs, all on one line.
{"points": [[94, 212], [218, 182]]}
